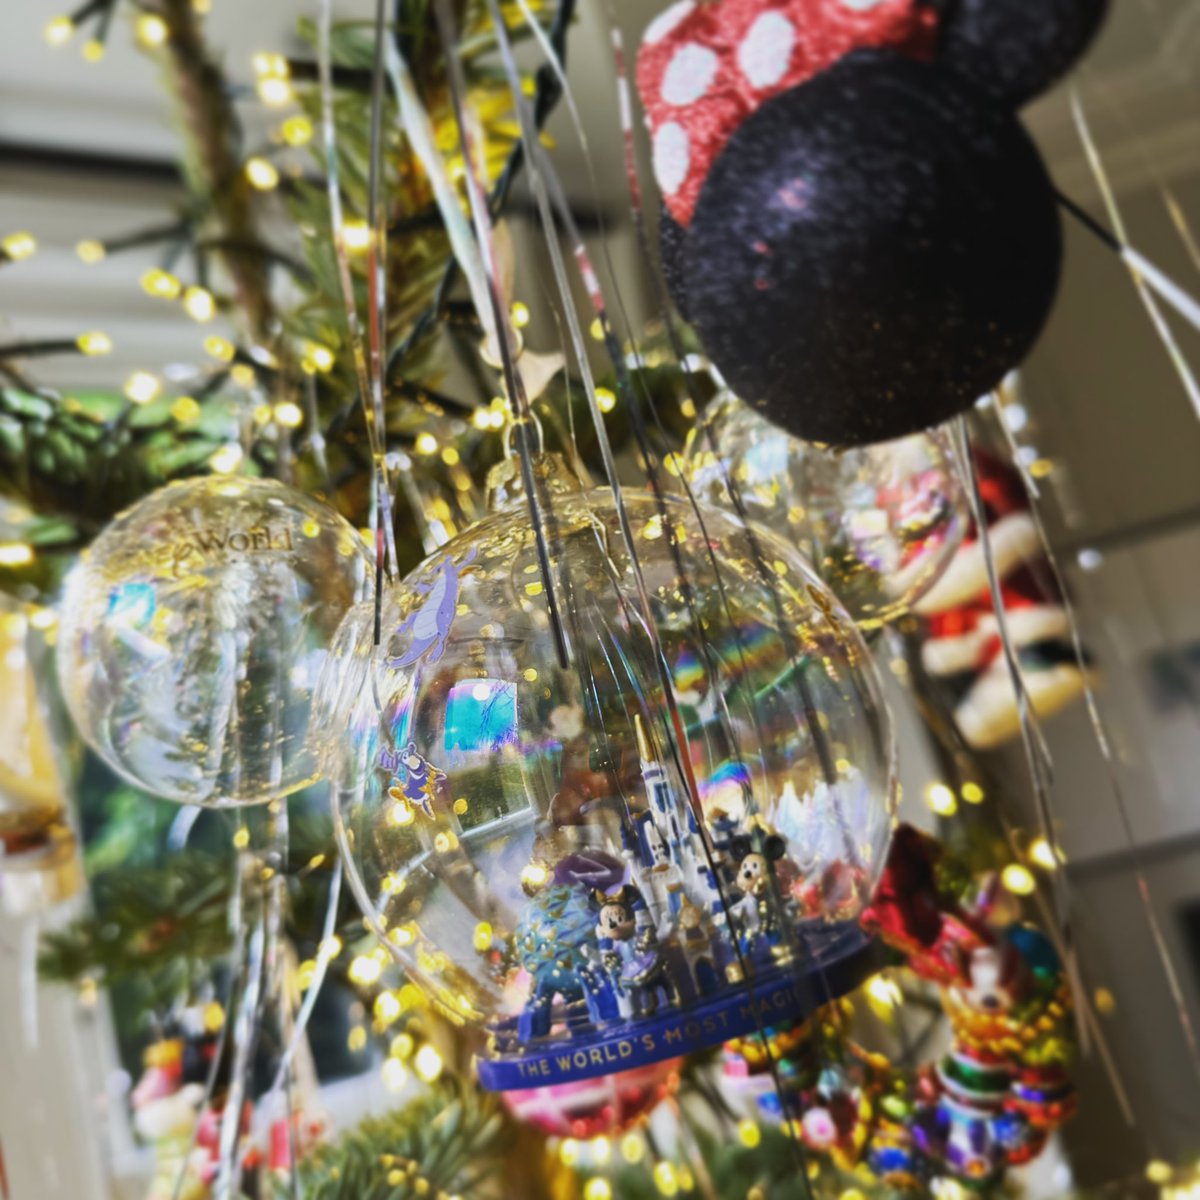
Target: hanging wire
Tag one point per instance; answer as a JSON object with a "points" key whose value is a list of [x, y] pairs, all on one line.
{"points": [[1145, 275], [1104, 743], [369, 379], [524, 422]]}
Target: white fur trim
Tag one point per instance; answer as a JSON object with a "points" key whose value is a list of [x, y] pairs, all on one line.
{"points": [[1014, 540]]}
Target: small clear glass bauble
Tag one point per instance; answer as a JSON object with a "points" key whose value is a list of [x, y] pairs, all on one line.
{"points": [[598, 870], [878, 523], [194, 630]]}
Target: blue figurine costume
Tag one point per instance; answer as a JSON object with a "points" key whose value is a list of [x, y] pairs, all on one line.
{"points": [[419, 785]]}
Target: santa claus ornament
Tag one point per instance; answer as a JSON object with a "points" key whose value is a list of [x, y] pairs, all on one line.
{"points": [[962, 646], [857, 224]]}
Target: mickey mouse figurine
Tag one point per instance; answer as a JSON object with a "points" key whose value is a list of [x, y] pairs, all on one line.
{"points": [[754, 878], [634, 959]]}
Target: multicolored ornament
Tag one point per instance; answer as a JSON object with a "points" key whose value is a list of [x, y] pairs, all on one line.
{"points": [[878, 523], [992, 1101], [962, 644], [194, 630], [605, 875]]}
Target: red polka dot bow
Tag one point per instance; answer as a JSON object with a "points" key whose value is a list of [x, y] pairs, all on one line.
{"points": [[706, 66]]}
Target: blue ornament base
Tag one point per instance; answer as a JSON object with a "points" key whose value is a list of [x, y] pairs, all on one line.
{"points": [[833, 962]]}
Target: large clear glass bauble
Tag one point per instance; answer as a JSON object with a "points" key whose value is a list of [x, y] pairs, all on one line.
{"points": [[878, 523], [194, 630], [522, 834]]}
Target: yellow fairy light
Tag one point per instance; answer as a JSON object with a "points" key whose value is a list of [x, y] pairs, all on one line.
{"points": [[19, 245], [15, 554], [225, 461], [428, 1064], [972, 793], [601, 1150], [287, 414], [687, 1181], [306, 974], [387, 1008], [481, 419], [400, 814], [94, 343], [534, 875], [58, 31], [687, 406], [357, 1039], [331, 947], [160, 283], [219, 348], [364, 970], [262, 414], [297, 131], [1106, 1002], [427, 444], [261, 173], [150, 30], [244, 376], [749, 1133], [268, 65], [852, 1194], [185, 410], [199, 304], [203, 7], [883, 993], [633, 1149], [1041, 467], [274, 92], [1159, 1172], [356, 235], [93, 51], [142, 387], [665, 1179], [241, 839], [597, 1189], [520, 314], [44, 618], [395, 1074], [596, 329], [483, 936], [317, 358], [606, 400], [1041, 853], [941, 799], [450, 456], [90, 251], [1018, 880]]}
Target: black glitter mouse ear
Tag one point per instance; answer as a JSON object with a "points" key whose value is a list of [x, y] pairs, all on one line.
{"points": [[872, 251], [1013, 50]]}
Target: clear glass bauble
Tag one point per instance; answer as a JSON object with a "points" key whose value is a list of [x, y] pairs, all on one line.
{"points": [[194, 630], [532, 841], [878, 523]]}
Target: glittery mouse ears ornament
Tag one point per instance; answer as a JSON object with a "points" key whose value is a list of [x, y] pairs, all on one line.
{"points": [[862, 232]]}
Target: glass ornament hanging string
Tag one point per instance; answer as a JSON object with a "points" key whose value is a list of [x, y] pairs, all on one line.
{"points": [[502, 341], [368, 364], [542, 179]]}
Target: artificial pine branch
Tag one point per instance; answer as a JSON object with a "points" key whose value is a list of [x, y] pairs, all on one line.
{"points": [[449, 1142], [213, 165]]}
